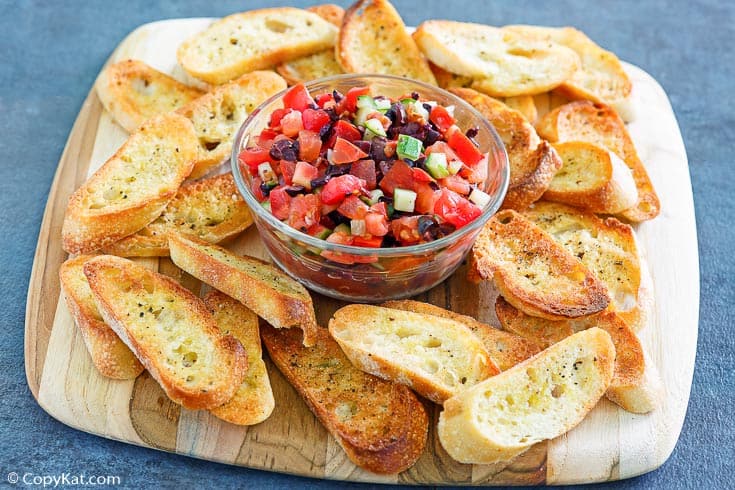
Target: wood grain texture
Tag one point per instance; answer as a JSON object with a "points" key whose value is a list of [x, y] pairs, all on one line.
{"points": [[609, 444]]}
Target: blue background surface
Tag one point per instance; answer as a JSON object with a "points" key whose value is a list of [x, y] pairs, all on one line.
{"points": [[50, 53]]}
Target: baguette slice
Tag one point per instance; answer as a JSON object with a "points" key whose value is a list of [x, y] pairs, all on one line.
{"points": [[270, 293], [592, 178], [635, 386], [533, 162], [334, 14], [109, 354], [170, 330], [602, 126], [212, 209], [382, 426], [539, 399], [525, 105], [533, 272], [373, 39], [133, 92], [436, 357], [606, 247], [133, 187], [254, 40], [600, 77], [501, 63], [506, 349], [253, 401], [218, 115], [317, 65]]}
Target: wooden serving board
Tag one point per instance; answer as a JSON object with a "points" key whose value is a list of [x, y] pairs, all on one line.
{"points": [[610, 444]]}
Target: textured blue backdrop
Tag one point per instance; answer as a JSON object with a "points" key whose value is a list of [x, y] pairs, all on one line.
{"points": [[52, 51]]}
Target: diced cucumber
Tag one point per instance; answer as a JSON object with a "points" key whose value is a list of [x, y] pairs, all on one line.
{"points": [[362, 114], [409, 147], [342, 228], [374, 128], [375, 196], [408, 101], [377, 266], [382, 104], [455, 167], [266, 173], [322, 235], [404, 200], [365, 101], [418, 109], [266, 205], [358, 227], [480, 198], [436, 164]]}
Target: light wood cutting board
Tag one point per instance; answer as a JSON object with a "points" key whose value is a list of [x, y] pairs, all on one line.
{"points": [[610, 444]]}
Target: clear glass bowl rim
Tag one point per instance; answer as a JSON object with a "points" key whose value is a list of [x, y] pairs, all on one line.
{"points": [[419, 249]]}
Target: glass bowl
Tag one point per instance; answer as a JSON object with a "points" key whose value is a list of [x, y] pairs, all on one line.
{"points": [[388, 273]]}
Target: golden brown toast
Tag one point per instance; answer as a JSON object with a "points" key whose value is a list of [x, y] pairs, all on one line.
{"points": [[254, 40], [373, 39], [381, 426], [211, 209], [133, 92], [540, 398], [600, 125], [133, 187], [330, 12], [170, 331], [253, 401], [109, 354], [317, 65], [533, 272], [437, 357], [270, 293], [506, 349], [533, 162]]}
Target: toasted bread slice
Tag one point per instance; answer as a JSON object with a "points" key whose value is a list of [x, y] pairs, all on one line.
{"points": [[592, 178], [600, 77], [317, 65], [525, 105], [254, 40], [373, 39], [218, 115], [211, 209], [606, 247], [533, 163], [435, 356], [501, 63], [109, 354], [133, 187], [539, 399], [133, 92], [170, 330], [253, 401], [533, 272], [446, 79], [382, 426], [270, 293], [635, 386], [505, 349], [600, 125], [334, 14]]}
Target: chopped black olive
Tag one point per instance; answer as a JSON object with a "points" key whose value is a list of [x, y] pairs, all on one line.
{"points": [[285, 149], [294, 190]]}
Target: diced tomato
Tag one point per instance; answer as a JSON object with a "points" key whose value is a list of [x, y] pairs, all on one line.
{"points": [[304, 211], [426, 198], [324, 99], [455, 209], [291, 124], [343, 129], [461, 144], [478, 173], [456, 184], [328, 208], [399, 175], [314, 119], [303, 174], [353, 208], [340, 238], [252, 157], [349, 103], [287, 171], [266, 137], [390, 148], [280, 203], [365, 241], [441, 117], [376, 224], [406, 229], [365, 169], [442, 147], [421, 175], [317, 229], [340, 187], [380, 208], [276, 116], [256, 190], [346, 152], [343, 258], [298, 98], [310, 144]]}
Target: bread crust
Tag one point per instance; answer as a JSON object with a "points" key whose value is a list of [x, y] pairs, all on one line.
{"points": [[112, 358], [130, 191], [330, 12], [259, 285], [116, 281]]}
